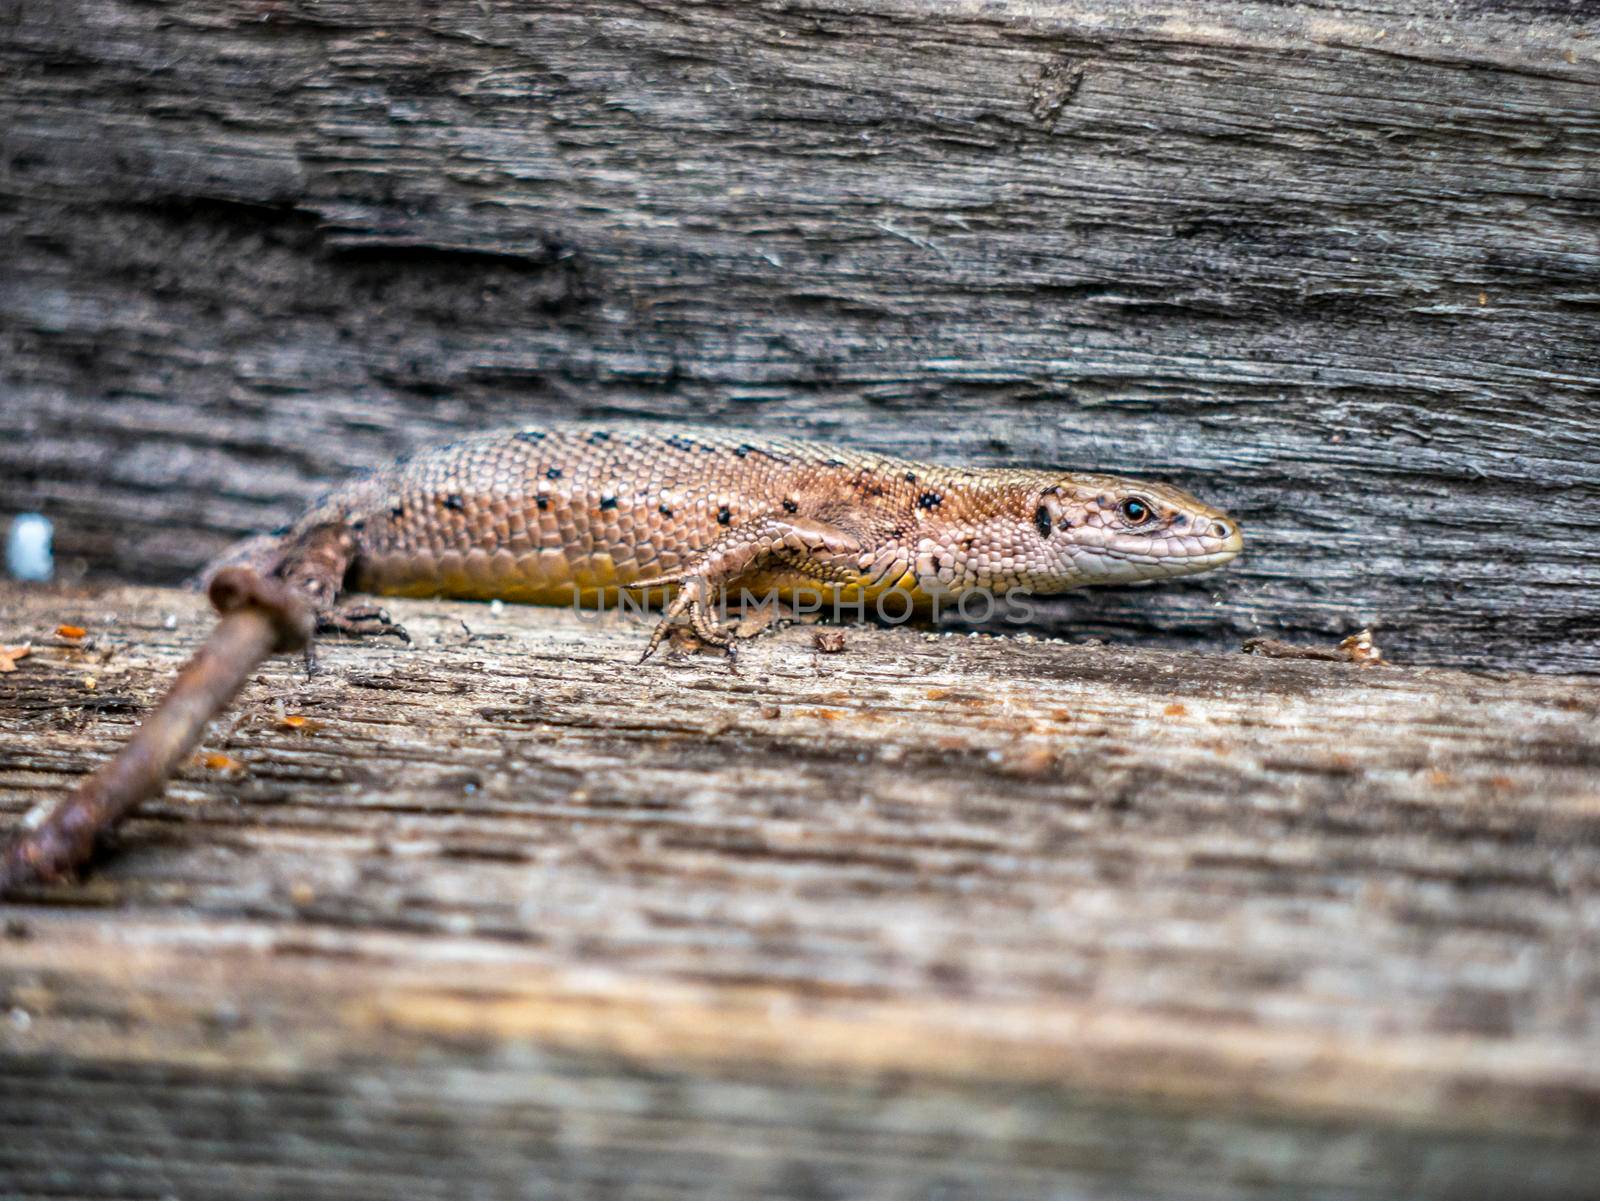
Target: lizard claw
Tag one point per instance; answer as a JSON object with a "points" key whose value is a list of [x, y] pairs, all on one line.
{"points": [[730, 646], [692, 601], [660, 581], [361, 621]]}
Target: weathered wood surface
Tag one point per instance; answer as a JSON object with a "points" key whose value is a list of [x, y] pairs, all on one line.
{"points": [[1336, 265], [952, 916]]}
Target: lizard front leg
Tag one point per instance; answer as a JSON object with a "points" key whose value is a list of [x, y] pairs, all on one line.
{"points": [[818, 549], [315, 563]]}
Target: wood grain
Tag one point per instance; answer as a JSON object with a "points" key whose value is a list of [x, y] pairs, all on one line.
{"points": [[1332, 265], [507, 915]]}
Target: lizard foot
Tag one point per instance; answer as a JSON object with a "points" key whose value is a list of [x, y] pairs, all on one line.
{"points": [[357, 621], [694, 600], [360, 621]]}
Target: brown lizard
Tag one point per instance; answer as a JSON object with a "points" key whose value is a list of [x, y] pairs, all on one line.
{"points": [[556, 515]]}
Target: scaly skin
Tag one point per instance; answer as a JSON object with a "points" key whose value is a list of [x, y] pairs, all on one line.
{"points": [[560, 514], [554, 515]]}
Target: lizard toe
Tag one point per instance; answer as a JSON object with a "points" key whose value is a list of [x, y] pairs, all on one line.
{"points": [[361, 621]]}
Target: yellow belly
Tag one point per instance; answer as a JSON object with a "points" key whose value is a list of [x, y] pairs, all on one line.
{"points": [[548, 578]]}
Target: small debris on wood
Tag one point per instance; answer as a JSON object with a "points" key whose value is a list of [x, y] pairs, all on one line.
{"points": [[1273, 648], [1025, 763], [1362, 650], [755, 621], [1054, 87], [472, 636], [1358, 649], [218, 762], [828, 642], [72, 632], [303, 725], [684, 641], [826, 714]]}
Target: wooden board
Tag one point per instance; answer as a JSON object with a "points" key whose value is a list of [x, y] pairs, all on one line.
{"points": [[508, 915], [1332, 265]]}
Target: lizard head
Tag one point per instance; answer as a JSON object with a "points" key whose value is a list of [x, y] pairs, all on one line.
{"points": [[1102, 529]]}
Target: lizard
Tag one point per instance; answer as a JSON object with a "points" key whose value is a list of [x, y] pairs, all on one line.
{"points": [[559, 514]]}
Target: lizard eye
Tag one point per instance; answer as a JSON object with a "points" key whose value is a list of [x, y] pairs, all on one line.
{"points": [[1135, 511], [1042, 521]]}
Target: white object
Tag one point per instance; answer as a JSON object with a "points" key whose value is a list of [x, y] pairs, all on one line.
{"points": [[28, 548]]}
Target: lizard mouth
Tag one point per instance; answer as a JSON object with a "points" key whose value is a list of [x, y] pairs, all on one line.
{"points": [[1179, 554]]}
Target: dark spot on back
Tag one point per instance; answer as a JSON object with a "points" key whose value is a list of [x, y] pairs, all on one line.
{"points": [[598, 437], [397, 510], [454, 503], [663, 510], [929, 500], [790, 506], [742, 451], [553, 474], [911, 477], [832, 462], [607, 502], [542, 501], [529, 435], [724, 516]]}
